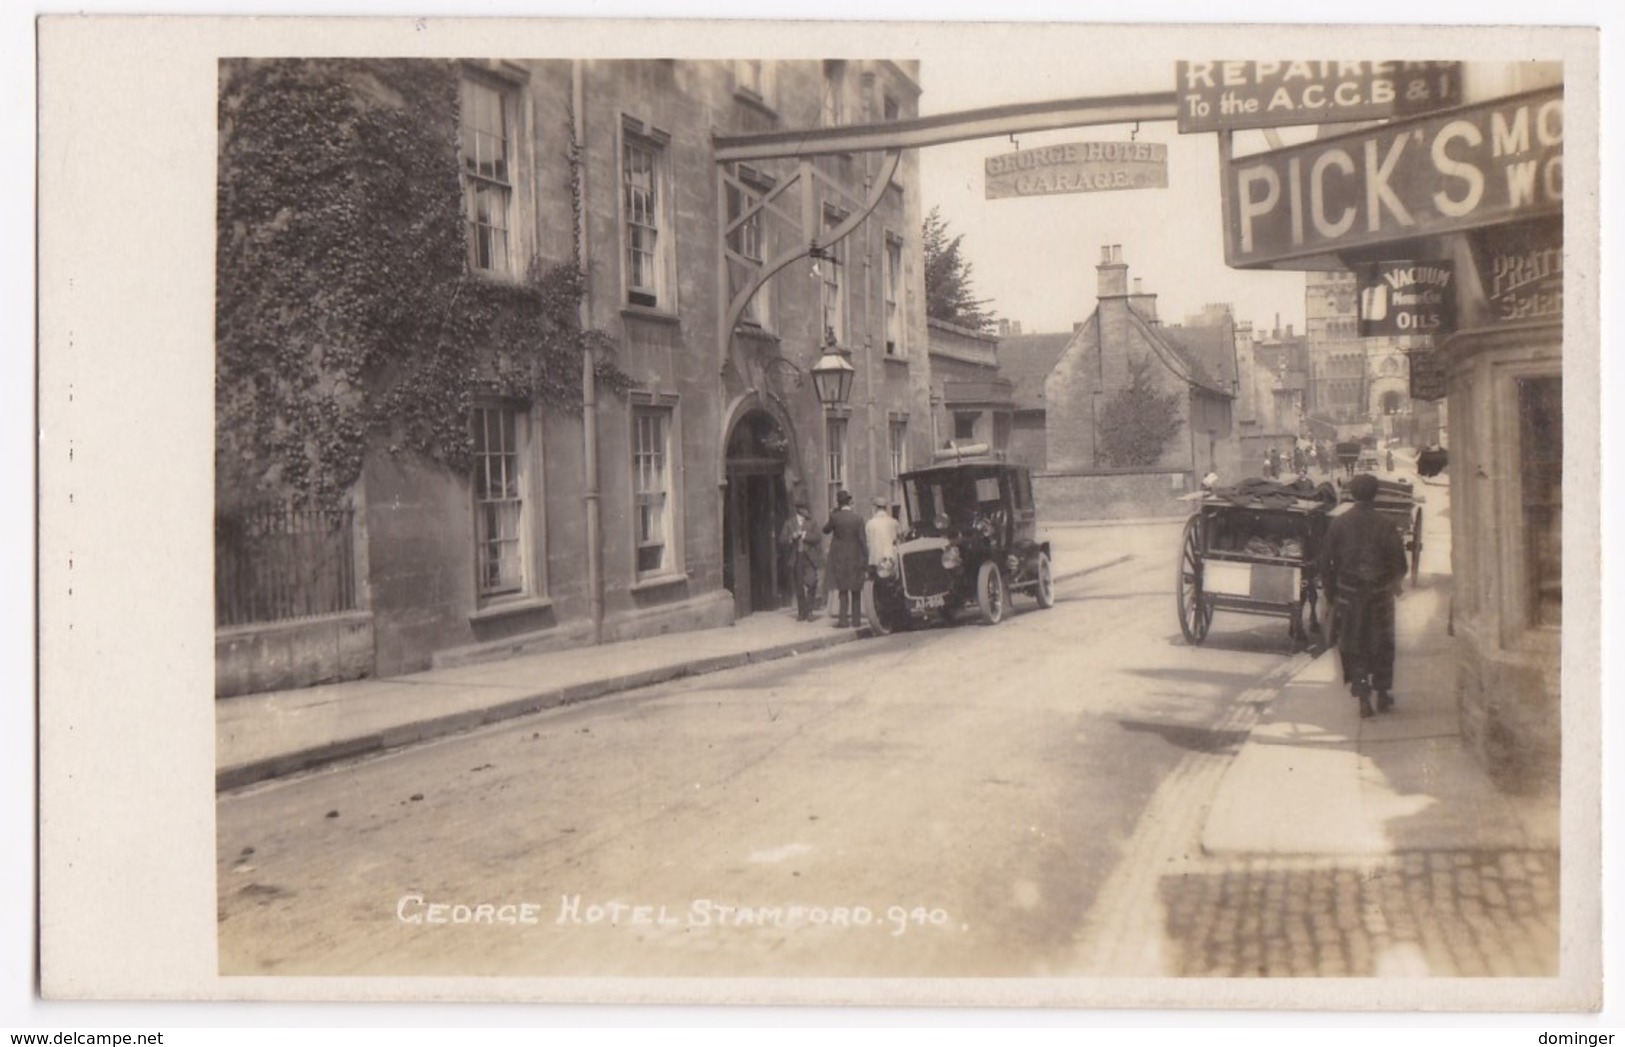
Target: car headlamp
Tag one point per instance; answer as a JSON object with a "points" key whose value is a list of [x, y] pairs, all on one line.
{"points": [[951, 558]]}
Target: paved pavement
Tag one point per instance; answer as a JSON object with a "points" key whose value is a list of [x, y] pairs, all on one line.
{"points": [[1307, 841], [1302, 841]]}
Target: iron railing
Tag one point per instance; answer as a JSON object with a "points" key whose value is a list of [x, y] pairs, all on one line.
{"points": [[276, 563]]}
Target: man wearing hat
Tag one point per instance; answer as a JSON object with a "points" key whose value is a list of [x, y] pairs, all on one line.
{"points": [[802, 540], [1362, 562], [847, 556], [881, 534]]}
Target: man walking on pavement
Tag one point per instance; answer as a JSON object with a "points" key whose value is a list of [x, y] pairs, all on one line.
{"points": [[847, 556], [803, 541], [1362, 563]]}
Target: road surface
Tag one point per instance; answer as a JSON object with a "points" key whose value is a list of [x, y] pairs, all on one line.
{"points": [[945, 802]]}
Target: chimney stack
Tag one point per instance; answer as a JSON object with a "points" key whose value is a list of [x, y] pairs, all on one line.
{"points": [[1144, 304], [1112, 273]]}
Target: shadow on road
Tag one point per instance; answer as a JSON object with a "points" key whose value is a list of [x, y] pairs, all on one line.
{"points": [[1188, 737]]}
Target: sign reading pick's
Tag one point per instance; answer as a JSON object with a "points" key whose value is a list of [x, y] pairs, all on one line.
{"points": [[1461, 169], [1077, 167], [1216, 96]]}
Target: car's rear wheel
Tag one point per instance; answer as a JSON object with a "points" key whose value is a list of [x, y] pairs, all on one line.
{"points": [[1045, 589], [991, 594]]}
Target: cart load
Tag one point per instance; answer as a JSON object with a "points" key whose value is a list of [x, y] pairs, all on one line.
{"points": [[1253, 549]]}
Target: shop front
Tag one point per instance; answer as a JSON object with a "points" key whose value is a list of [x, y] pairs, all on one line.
{"points": [[1471, 198]]}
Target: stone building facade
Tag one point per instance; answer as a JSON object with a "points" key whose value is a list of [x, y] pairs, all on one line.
{"points": [[1124, 335], [656, 510]]}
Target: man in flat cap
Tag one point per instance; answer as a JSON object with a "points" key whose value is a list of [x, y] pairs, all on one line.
{"points": [[880, 531], [1362, 563]]}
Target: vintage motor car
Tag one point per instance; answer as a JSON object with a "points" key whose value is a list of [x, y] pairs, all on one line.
{"points": [[970, 539]]}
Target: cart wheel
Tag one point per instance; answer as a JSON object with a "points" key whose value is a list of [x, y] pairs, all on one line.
{"points": [[1195, 614], [1416, 547], [1304, 622], [879, 624], [991, 594], [1045, 589]]}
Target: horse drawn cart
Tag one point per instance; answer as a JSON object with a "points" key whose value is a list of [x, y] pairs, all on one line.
{"points": [[1253, 549]]}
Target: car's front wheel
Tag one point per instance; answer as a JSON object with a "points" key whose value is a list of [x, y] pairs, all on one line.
{"points": [[879, 623], [991, 594]]}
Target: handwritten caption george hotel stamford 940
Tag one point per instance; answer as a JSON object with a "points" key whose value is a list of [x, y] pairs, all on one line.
{"points": [[574, 911]]}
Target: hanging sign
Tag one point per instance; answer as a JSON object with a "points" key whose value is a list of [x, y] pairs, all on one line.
{"points": [[1077, 167], [1405, 298], [1427, 374], [1218, 96], [1471, 167]]}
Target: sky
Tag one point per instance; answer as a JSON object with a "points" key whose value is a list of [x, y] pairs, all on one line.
{"points": [[1035, 257]]}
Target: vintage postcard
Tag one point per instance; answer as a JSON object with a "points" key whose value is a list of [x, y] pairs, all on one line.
{"points": [[1010, 514]]}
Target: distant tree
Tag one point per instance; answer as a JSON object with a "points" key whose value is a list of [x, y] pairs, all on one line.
{"points": [[948, 294], [1137, 423]]}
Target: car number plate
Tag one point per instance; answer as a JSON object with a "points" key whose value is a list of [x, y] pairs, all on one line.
{"points": [[929, 603]]}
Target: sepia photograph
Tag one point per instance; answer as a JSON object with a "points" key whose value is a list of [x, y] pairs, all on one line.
{"points": [[991, 513]]}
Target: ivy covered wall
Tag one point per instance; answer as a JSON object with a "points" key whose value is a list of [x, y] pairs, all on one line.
{"points": [[344, 310]]}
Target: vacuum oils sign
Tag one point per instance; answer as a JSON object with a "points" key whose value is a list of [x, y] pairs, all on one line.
{"points": [[1077, 167], [1461, 169], [1406, 298]]}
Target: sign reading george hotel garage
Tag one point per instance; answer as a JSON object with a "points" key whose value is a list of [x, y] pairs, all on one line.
{"points": [[1461, 169], [1077, 167], [1218, 96]]}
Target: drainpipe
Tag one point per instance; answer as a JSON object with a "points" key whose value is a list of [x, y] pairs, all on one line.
{"points": [[589, 361], [868, 332]]}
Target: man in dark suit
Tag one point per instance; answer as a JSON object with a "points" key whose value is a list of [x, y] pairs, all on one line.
{"points": [[848, 553], [1362, 563], [801, 542]]}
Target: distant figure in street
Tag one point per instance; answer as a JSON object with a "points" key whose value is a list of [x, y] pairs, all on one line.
{"points": [[1390, 459], [802, 540], [881, 534], [1362, 563], [848, 554]]}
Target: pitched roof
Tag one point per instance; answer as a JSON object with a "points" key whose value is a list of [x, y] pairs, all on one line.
{"points": [[1205, 348], [1026, 360], [1177, 354]]}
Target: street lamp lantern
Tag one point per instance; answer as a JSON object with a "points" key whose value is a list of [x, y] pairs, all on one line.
{"points": [[832, 375]]}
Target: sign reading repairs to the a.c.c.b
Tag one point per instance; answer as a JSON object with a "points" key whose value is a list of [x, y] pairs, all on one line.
{"points": [[1218, 96]]}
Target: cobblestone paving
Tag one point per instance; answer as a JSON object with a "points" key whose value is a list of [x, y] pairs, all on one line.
{"points": [[1462, 913]]}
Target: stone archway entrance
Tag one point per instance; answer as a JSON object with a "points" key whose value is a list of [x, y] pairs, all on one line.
{"points": [[755, 507]]}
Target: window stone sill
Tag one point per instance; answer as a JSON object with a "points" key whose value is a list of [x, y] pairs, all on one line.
{"points": [[649, 314], [507, 608], [659, 581]]}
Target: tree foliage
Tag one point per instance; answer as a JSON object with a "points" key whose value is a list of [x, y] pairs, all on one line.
{"points": [[948, 293], [344, 308], [1137, 424]]}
